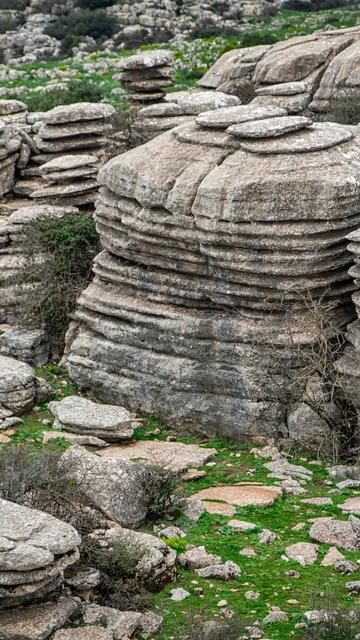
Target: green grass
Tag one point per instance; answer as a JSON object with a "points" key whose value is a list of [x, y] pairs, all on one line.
{"points": [[266, 573]]}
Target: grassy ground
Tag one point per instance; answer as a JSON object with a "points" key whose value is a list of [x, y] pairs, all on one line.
{"points": [[193, 59], [264, 573]]}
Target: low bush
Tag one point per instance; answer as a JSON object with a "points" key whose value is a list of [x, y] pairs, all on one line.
{"points": [[95, 4], [69, 245], [339, 624], [75, 91], [14, 5], [83, 22], [165, 496]]}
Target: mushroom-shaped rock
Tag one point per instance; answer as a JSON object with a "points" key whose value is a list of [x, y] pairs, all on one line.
{"points": [[211, 246]]}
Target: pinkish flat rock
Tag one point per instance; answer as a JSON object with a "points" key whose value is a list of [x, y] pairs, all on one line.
{"points": [[241, 495]]}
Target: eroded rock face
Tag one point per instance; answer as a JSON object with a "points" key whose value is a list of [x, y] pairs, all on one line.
{"points": [[211, 241], [35, 550], [306, 72], [17, 385]]}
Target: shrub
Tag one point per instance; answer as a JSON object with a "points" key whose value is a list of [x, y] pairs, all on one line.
{"points": [[75, 91], [36, 477], [165, 497], [95, 4], [7, 23], [14, 5], [345, 109], [338, 624], [253, 38], [95, 24], [69, 245], [233, 629]]}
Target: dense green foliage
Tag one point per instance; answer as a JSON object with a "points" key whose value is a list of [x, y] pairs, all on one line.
{"points": [[74, 91], [96, 24], [69, 245], [14, 5]]}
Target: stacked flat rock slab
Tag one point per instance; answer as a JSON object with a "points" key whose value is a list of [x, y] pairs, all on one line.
{"points": [[10, 149], [301, 73], [16, 256], [68, 180], [213, 234], [35, 549], [179, 107], [13, 112], [82, 128], [146, 75]]}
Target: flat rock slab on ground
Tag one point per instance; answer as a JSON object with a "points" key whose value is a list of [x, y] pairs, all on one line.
{"points": [[82, 416], [224, 118], [38, 621], [170, 455], [241, 495], [219, 508]]}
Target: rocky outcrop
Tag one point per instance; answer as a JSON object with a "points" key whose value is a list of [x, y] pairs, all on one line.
{"points": [[36, 548], [211, 241], [17, 387], [17, 256], [30, 43], [301, 73]]}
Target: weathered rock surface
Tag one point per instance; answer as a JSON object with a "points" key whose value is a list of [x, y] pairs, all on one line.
{"points": [[35, 550], [82, 416], [61, 184], [205, 242], [305, 553], [17, 385], [300, 73], [169, 455], [121, 490], [36, 622], [241, 495], [340, 533]]}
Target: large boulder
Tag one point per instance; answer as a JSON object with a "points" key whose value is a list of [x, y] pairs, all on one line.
{"points": [[121, 490], [17, 385]]}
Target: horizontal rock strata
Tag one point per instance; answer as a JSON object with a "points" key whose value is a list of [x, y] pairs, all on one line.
{"points": [[211, 251], [300, 73], [35, 550]]}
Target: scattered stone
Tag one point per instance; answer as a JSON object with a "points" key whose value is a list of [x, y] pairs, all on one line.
{"points": [[345, 534], [122, 624], [345, 567], [275, 615], [316, 616], [194, 510], [197, 558], [241, 526], [252, 595], [178, 595], [82, 416], [305, 553], [193, 474], [172, 532], [353, 587], [17, 385], [321, 502], [84, 580], [227, 571], [348, 484], [267, 537], [84, 633], [331, 557], [248, 552]]}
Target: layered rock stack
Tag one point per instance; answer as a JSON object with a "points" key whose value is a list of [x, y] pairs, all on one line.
{"points": [[13, 112], [146, 75], [215, 235], [36, 548], [17, 256], [76, 129], [68, 180], [10, 149], [303, 73]]}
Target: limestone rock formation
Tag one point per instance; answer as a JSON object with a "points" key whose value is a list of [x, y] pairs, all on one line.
{"points": [[210, 243], [301, 73], [10, 149], [17, 255], [146, 75], [68, 179], [35, 550]]}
